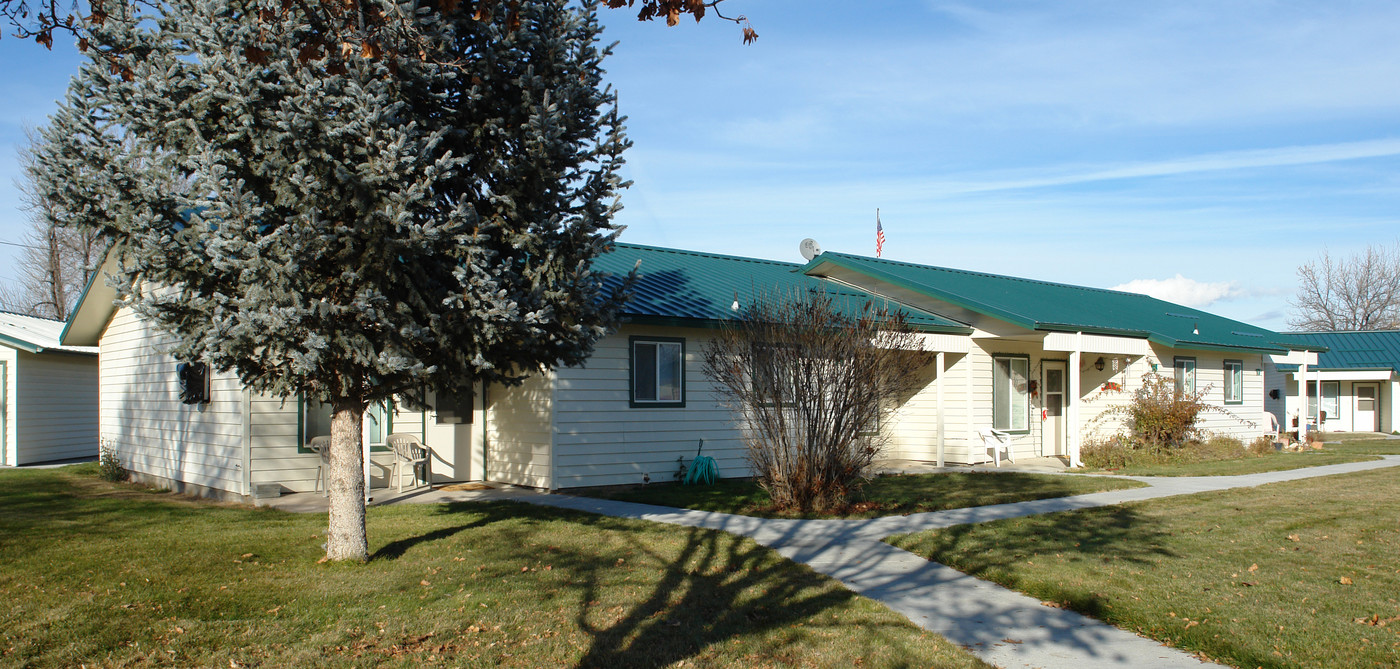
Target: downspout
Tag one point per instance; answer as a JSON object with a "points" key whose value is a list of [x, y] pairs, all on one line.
{"points": [[1073, 396], [247, 401], [940, 359], [553, 430]]}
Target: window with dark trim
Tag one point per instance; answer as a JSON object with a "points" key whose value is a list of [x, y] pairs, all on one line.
{"points": [[657, 372], [1011, 392], [1185, 370], [314, 420], [1331, 400], [1234, 382]]}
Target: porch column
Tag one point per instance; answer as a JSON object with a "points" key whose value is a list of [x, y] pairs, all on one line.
{"points": [[1072, 399], [1303, 399], [939, 360], [364, 445]]}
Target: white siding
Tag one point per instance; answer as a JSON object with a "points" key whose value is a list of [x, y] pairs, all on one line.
{"points": [[140, 413], [278, 456], [9, 359], [520, 432], [55, 396], [601, 440]]}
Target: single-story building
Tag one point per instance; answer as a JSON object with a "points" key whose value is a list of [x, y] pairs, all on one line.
{"points": [[48, 393], [1353, 387], [1043, 361]]}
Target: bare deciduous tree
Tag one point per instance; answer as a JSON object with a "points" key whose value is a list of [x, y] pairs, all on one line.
{"points": [[810, 376], [1361, 292], [56, 262]]}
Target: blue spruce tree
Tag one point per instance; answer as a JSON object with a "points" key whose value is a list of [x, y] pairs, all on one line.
{"points": [[349, 225]]}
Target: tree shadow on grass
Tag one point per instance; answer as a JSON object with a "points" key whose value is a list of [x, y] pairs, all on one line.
{"points": [[698, 589], [1039, 554]]}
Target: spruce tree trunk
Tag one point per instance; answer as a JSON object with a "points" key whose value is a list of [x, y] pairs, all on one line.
{"points": [[345, 538]]}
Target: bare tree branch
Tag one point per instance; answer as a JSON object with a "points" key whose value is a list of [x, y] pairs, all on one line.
{"points": [[1361, 292]]}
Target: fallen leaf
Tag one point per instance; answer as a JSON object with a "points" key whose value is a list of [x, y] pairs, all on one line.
{"points": [[424, 582], [1344, 580], [1253, 568], [1294, 537]]}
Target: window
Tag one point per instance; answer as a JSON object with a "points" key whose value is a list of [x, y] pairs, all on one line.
{"points": [[1234, 382], [1010, 393], [658, 372], [1331, 404], [314, 420], [193, 378], [1185, 375]]}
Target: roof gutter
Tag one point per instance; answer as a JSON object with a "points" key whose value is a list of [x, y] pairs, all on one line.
{"points": [[21, 344]]}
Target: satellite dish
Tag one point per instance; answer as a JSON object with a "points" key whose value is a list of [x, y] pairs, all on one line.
{"points": [[809, 248]]}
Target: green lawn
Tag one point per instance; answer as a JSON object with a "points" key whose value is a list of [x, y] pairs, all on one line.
{"points": [[1248, 464], [883, 496], [1304, 573], [1363, 443], [115, 576]]}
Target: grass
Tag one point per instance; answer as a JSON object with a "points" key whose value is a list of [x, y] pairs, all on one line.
{"points": [[882, 496], [116, 576], [1304, 573], [1248, 464], [1364, 443]]}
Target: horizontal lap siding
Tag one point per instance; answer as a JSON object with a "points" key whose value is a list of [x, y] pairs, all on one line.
{"points": [[10, 359], [141, 416], [275, 437], [603, 441], [1243, 421], [57, 407], [519, 432]]}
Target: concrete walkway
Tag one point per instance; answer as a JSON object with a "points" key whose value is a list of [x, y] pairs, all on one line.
{"points": [[999, 625]]}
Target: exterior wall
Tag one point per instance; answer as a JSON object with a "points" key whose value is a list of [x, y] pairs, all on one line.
{"points": [[1243, 421], [913, 426], [1287, 407], [156, 436], [520, 432], [55, 401], [601, 440], [9, 360], [278, 454]]}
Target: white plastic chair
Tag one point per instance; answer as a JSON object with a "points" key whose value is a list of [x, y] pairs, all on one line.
{"points": [[410, 452], [322, 446], [996, 441]]}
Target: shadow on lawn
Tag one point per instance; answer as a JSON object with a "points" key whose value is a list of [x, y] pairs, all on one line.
{"points": [[1023, 553], [701, 589]]}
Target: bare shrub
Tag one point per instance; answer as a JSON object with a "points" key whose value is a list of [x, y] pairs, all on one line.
{"points": [[810, 376], [1262, 445], [1112, 453]]}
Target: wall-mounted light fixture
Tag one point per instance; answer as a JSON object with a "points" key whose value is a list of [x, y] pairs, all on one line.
{"points": [[1098, 364]]}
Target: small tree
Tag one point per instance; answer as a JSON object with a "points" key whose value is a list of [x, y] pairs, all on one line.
{"points": [[1161, 415], [1361, 292], [810, 378]]}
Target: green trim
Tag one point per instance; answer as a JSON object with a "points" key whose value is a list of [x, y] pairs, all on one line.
{"points": [[1180, 381], [889, 277], [1008, 429], [28, 347], [1225, 387], [715, 324], [301, 427], [631, 370], [82, 297]]}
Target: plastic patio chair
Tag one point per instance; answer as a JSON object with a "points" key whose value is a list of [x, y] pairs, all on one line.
{"points": [[996, 441], [322, 446], [411, 452]]}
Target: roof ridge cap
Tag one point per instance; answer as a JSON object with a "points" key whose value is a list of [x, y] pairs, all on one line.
{"points": [[708, 254], [1008, 276]]}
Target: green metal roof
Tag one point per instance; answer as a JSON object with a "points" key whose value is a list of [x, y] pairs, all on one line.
{"points": [[1377, 349], [690, 287], [1047, 306]]}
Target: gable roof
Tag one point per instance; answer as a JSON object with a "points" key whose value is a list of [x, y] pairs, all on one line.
{"points": [[1354, 350], [35, 335], [1058, 307], [691, 287]]}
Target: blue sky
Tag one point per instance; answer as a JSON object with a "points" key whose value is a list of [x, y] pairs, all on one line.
{"points": [[1201, 151]]}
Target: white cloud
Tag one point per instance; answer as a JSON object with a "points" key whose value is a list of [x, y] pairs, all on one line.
{"points": [[1182, 290]]}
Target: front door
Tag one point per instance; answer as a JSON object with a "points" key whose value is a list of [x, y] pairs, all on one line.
{"points": [[1366, 418], [1052, 408]]}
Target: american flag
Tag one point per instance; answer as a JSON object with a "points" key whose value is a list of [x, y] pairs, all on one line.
{"points": [[879, 235]]}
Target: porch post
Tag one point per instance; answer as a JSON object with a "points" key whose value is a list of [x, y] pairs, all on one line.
{"points": [[939, 359], [1303, 400], [364, 446], [1072, 397]]}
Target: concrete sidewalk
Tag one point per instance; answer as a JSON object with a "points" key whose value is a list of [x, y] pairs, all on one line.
{"points": [[999, 625]]}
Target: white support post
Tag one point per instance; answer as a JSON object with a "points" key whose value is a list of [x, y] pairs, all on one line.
{"points": [[939, 360], [1072, 396], [364, 446], [1303, 401]]}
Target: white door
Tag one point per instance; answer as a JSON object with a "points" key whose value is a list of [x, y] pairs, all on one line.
{"points": [[1052, 409], [1366, 417], [452, 436]]}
